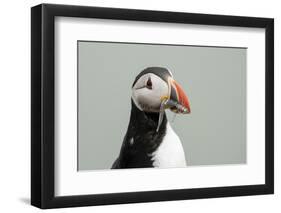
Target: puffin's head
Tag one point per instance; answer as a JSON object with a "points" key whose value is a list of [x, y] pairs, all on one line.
{"points": [[154, 85]]}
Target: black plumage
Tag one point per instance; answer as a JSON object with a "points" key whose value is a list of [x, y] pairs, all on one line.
{"points": [[141, 140], [161, 72]]}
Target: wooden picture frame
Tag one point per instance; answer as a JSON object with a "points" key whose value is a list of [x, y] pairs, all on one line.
{"points": [[43, 105]]}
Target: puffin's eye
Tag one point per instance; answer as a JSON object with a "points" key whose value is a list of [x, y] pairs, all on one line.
{"points": [[149, 83]]}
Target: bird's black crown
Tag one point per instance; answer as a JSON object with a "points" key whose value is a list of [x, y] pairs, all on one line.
{"points": [[162, 72]]}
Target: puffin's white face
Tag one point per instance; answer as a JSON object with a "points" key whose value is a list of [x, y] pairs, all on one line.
{"points": [[155, 87], [148, 91]]}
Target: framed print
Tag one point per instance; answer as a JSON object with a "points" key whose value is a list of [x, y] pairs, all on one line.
{"points": [[139, 106]]}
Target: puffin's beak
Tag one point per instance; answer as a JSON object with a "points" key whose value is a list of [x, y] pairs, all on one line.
{"points": [[178, 95]]}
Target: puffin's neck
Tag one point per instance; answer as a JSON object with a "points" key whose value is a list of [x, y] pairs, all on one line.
{"points": [[145, 121]]}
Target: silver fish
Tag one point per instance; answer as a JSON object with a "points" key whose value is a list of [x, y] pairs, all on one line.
{"points": [[168, 103]]}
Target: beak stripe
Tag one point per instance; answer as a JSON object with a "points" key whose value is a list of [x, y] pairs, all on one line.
{"points": [[183, 100]]}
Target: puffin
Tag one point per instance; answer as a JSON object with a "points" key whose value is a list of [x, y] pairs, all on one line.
{"points": [[150, 141]]}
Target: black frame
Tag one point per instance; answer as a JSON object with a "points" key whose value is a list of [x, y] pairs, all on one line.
{"points": [[43, 99]]}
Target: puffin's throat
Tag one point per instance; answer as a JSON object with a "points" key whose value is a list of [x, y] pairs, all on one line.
{"points": [[146, 120]]}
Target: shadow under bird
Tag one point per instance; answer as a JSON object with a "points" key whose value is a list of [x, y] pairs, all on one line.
{"points": [[150, 141]]}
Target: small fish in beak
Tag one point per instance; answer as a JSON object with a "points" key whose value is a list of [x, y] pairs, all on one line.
{"points": [[177, 102]]}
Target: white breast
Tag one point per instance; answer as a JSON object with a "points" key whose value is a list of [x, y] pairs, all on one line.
{"points": [[170, 153]]}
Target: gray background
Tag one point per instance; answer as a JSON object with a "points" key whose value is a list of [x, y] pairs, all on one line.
{"points": [[213, 78]]}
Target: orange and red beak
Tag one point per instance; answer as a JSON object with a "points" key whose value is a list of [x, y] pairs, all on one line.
{"points": [[178, 95]]}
